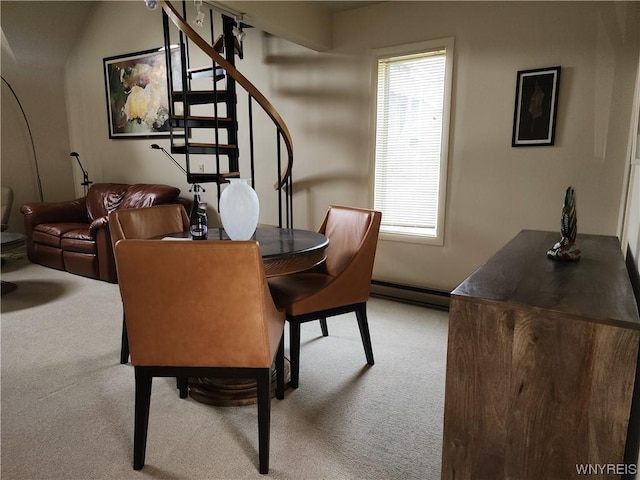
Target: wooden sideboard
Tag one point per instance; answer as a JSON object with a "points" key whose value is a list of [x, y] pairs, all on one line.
{"points": [[541, 364]]}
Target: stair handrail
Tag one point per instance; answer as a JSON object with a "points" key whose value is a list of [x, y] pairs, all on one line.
{"points": [[266, 105]]}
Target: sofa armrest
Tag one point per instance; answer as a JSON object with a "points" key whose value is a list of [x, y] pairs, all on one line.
{"points": [[97, 224], [74, 211]]}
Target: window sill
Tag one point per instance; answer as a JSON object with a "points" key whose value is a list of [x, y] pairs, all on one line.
{"points": [[411, 238]]}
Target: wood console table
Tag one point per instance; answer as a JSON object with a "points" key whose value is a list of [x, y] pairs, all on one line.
{"points": [[541, 363]]}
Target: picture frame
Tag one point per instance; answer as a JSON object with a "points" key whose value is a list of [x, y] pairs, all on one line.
{"points": [[536, 108], [137, 93]]}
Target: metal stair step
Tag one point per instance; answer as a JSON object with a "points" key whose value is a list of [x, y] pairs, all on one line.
{"points": [[211, 177], [204, 149], [206, 72], [201, 97], [194, 121]]}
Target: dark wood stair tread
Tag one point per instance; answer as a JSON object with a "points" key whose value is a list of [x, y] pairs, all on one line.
{"points": [[197, 121], [200, 97], [211, 177], [198, 148]]}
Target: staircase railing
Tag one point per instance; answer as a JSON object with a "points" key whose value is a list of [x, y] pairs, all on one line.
{"points": [[284, 183]]}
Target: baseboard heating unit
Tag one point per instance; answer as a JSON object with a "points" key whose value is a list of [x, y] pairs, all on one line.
{"points": [[411, 294]]}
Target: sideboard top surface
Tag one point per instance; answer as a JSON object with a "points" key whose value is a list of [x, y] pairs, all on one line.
{"points": [[597, 286]]}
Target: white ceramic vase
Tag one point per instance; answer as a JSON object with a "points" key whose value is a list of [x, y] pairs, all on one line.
{"points": [[239, 209]]}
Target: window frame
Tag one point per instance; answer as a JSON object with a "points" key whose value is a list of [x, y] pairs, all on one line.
{"points": [[446, 44]]}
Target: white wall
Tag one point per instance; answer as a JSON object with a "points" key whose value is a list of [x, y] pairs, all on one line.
{"points": [[115, 28], [494, 190], [35, 71]]}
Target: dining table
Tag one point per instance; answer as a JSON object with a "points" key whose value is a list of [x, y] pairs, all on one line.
{"points": [[284, 251]]}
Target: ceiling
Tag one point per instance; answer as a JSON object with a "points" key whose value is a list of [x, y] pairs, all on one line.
{"points": [[52, 31], [44, 30]]}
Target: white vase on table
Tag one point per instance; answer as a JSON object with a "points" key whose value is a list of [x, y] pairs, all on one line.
{"points": [[239, 209]]}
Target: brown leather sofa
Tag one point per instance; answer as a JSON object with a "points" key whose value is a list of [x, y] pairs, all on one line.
{"points": [[74, 235]]}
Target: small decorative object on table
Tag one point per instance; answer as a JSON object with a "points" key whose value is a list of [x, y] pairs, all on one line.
{"points": [[239, 209], [193, 214], [198, 225], [566, 248]]}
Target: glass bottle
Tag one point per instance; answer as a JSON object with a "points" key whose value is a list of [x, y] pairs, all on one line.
{"points": [[198, 227], [193, 214]]}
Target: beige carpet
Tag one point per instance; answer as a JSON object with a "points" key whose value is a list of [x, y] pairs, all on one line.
{"points": [[67, 403]]}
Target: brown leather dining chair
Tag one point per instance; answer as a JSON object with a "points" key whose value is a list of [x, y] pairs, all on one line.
{"points": [[185, 318], [144, 223], [339, 285]]}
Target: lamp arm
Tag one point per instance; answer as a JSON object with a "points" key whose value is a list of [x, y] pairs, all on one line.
{"points": [[85, 175], [84, 172], [155, 146]]}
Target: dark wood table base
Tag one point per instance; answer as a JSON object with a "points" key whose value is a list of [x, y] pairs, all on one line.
{"points": [[231, 392]]}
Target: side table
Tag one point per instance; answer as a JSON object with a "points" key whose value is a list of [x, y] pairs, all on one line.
{"points": [[541, 363], [10, 240]]}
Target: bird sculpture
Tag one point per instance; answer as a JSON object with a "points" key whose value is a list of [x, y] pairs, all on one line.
{"points": [[566, 248]]}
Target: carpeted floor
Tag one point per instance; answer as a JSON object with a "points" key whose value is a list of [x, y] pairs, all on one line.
{"points": [[67, 403]]}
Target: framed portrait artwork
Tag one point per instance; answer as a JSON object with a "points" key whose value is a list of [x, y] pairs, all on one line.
{"points": [[534, 118], [137, 95]]}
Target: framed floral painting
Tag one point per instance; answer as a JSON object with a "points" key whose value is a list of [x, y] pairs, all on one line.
{"points": [[137, 93]]}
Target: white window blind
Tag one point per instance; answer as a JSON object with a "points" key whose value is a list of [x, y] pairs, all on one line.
{"points": [[410, 119]]}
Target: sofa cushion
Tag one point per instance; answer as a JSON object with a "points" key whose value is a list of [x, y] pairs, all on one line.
{"points": [[80, 263], [103, 198], [51, 233], [78, 240]]}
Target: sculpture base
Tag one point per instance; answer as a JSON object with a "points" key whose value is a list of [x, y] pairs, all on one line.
{"points": [[564, 252]]}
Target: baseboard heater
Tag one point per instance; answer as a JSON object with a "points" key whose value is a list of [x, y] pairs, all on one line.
{"points": [[427, 297]]}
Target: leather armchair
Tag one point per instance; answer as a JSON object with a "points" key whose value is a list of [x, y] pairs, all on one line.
{"points": [[339, 285], [144, 223], [185, 318], [74, 235]]}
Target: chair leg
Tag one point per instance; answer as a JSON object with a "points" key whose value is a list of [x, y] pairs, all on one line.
{"points": [[183, 385], [361, 314], [294, 347], [264, 418], [323, 327], [141, 422], [280, 370], [124, 348]]}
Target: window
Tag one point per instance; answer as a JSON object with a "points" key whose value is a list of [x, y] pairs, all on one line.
{"points": [[413, 85]]}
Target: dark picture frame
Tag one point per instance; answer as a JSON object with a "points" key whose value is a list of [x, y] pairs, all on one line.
{"points": [[536, 109], [137, 93]]}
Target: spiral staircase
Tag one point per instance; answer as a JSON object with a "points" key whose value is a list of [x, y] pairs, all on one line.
{"points": [[204, 117]]}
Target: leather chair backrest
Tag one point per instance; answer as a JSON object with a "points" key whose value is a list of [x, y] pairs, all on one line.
{"points": [[348, 229], [197, 303], [147, 222]]}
